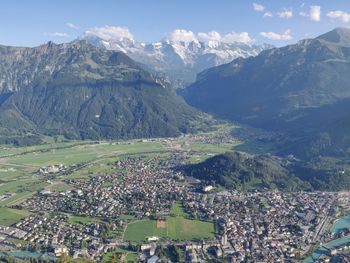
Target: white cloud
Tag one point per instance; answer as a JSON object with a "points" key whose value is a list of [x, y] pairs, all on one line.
{"points": [[57, 34], [278, 37], [314, 13], [108, 33], [237, 37], [267, 14], [258, 7], [182, 35], [210, 36], [72, 26], [232, 37], [340, 15], [188, 36], [286, 13]]}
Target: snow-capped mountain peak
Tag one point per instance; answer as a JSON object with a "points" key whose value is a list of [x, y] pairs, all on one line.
{"points": [[180, 55]]}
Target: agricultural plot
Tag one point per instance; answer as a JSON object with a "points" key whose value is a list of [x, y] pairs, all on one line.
{"points": [[59, 187], [19, 189], [81, 153], [9, 216]]}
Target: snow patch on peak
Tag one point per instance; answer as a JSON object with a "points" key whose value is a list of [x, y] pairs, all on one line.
{"points": [[182, 53]]}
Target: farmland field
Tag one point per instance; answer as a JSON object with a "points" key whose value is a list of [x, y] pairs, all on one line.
{"points": [[9, 216]]}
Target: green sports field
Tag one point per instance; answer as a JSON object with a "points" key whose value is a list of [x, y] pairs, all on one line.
{"points": [[177, 228], [178, 210]]}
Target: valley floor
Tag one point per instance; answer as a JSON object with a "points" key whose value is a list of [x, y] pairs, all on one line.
{"points": [[127, 199]]}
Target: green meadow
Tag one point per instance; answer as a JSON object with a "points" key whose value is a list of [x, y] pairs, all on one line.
{"points": [[9, 216], [177, 228]]}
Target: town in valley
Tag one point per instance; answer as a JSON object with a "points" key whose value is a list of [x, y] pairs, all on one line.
{"points": [[142, 207]]}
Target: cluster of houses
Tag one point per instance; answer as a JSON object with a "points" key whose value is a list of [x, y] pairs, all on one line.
{"points": [[53, 169], [251, 226], [268, 227], [5, 196], [216, 138], [54, 234], [138, 187]]}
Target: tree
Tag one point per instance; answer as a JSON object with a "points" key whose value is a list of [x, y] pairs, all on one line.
{"points": [[64, 259], [84, 244]]}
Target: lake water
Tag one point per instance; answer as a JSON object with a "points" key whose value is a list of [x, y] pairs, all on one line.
{"points": [[343, 222], [340, 224]]}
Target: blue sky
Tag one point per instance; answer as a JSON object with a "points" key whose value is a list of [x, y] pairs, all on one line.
{"points": [[30, 23]]}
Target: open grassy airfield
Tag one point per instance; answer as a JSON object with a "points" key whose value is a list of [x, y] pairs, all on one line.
{"points": [[18, 166]]}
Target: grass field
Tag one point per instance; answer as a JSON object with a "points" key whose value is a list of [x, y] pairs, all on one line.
{"points": [[180, 228], [79, 153], [140, 230], [10, 172], [126, 217], [178, 210], [59, 187], [265, 202], [177, 228], [20, 190], [128, 255], [203, 151], [7, 150], [9, 216], [82, 220], [18, 241]]}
